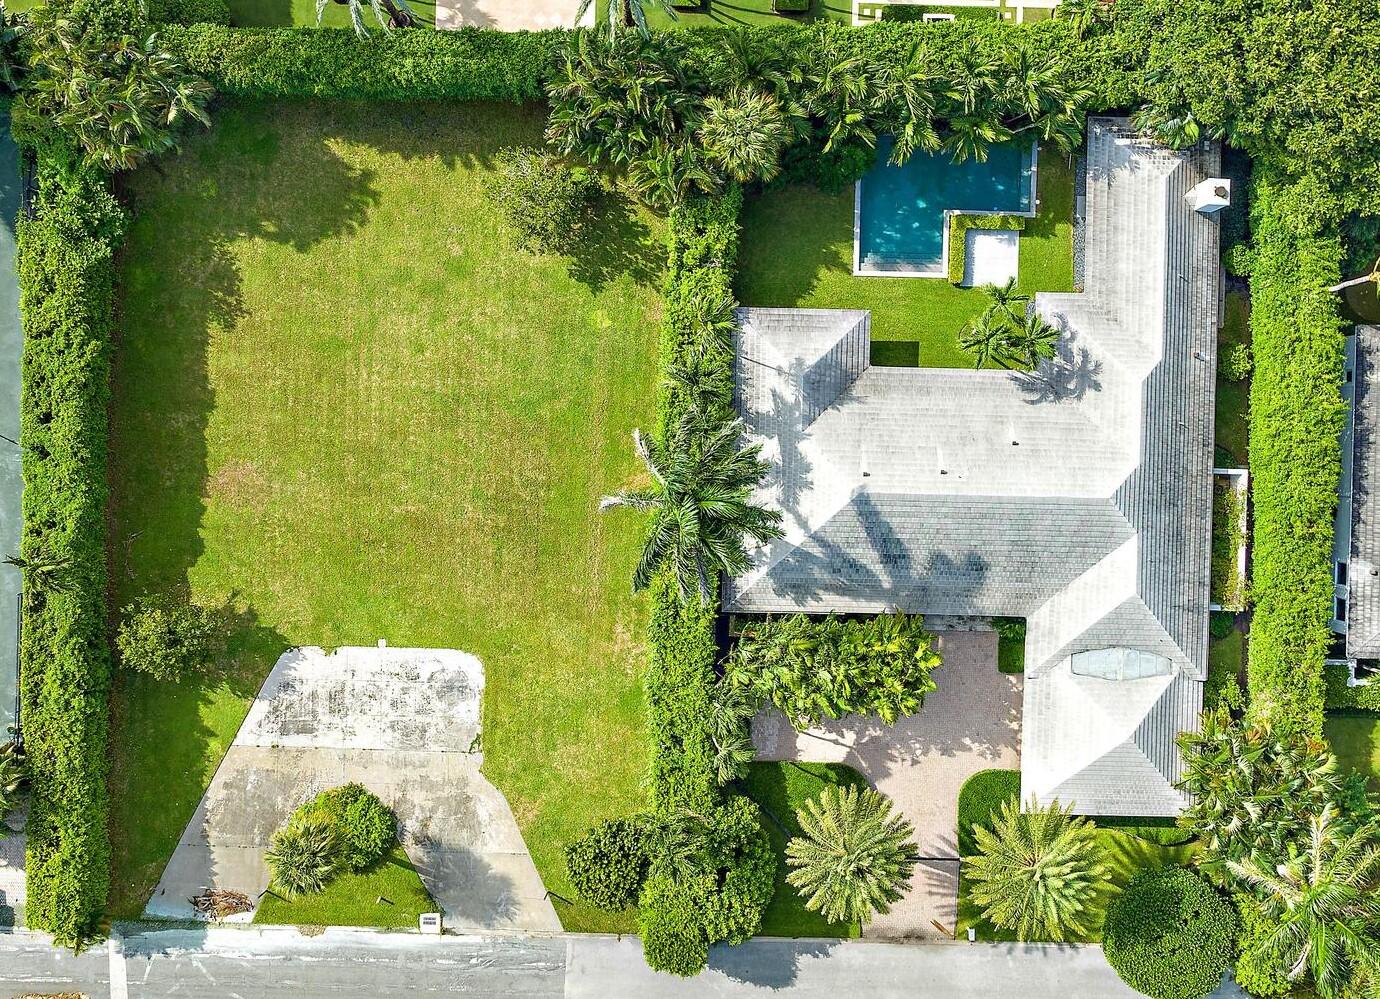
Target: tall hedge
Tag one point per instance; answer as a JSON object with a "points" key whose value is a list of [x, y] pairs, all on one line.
{"points": [[1297, 415], [66, 274]]}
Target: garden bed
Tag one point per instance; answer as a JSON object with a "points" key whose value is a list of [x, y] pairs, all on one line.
{"points": [[345, 408], [1229, 538]]}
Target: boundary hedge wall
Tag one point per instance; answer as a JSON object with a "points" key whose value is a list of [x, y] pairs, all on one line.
{"points": [[1297, 414], [67, 275]]}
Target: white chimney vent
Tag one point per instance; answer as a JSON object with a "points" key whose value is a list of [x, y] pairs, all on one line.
{"points": [[1211, 195]]}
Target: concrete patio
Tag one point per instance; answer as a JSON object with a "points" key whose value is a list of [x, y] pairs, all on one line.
{"points": [[405, 724], [971, 722], [528, 15]]}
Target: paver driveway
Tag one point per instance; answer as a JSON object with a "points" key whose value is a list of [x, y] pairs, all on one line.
{"points": [[971, 722]]}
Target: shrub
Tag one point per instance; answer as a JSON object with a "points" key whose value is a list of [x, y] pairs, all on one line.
{"points": [[544, 200], [189, 11], [1237, 362], [831, 172], [674, 949], [855, 857], [790, 6], [813, 669], [365, 828], [1259, 974], [1365, 697], [66, 278], [168, 638], [1221, 624], [609, 863], [958, 238], [1296, 421], [304, 856], [1010, 643], [1170, 935], [11, 780], [1238, 259], [1228, 535]]}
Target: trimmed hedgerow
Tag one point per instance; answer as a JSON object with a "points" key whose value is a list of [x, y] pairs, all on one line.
{"points": [[1339, 695], [1170, 934], [466, 65], [980, 798], [1296, 421], [66, 276], [959, 225]]}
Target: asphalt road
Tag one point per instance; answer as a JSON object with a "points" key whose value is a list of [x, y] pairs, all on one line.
{"points": [[255, 962]]}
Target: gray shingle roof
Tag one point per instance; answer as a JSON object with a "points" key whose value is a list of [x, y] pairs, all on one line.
{"points": [[1363, 589], [1077, 496]]}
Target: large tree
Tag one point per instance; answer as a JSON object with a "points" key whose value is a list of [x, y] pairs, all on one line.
{"points": [[1324, 903], [1037, 871], [855, 857], [700, 500]]}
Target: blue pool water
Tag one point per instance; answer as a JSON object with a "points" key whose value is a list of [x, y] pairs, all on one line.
{"points": [[901, 209]]}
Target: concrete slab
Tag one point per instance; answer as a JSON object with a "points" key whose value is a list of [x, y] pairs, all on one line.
{"points": [[991, 256], [502, 15], [405, 724], [971, 722]]}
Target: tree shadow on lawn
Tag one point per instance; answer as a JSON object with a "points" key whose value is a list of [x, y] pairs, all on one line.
{"points": [[792, 234], [185, 222], [615, 243]]}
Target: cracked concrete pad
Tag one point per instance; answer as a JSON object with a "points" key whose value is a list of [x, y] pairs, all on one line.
{"points": [[402, 722], [971, 722]]}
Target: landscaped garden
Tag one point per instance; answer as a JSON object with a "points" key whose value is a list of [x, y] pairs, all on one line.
{"points": [[798, 251], [347, 408]]}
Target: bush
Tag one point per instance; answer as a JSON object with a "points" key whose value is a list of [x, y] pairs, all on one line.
{"points": [[1237, 362], [910, 12], [813, 669], [189, 11], [544, 200], [1170, 935], [1257, 973], [365, 828], [1296, 421], [609, 863], [958, 238], [169, 638], [304, 856], [674, 949], [831, 172], [1228, 587], [790, 6], [1339, 695], [1010, 643], [1221, 624], [66, 278], [1238, 259]]}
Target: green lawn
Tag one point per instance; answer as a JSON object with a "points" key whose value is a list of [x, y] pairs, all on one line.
{"points": [[1225, 657], [797, 250], [389, 894], [345, 408], [781, 789], [731, 13], [1234, 397], [1355, 738], [1127, 849], [270, 13]]}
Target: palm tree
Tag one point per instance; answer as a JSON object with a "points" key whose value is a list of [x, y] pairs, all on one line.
{"points": [[389, 13], [1085, 16], [669, 170], [1251, 790], [1032, 340], [626, 14], [917, 94], [760, 60], [1005, 298], [743, 134], [700, 499], [971, 135], [121, 99], [11, 780], [304, 856], [43, 572], [731, 708], [855, 857], [679, 843], [840, 93], [13, 29], [987, 338], [1324, 903], [1037, 871]]}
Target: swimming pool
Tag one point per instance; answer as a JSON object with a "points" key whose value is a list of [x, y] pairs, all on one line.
{"points": [[900, 223]]}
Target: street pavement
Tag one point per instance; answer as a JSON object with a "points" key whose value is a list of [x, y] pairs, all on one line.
{"points": [[261, 962]]}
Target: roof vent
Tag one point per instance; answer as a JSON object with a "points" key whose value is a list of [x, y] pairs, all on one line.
{"points": [[1210, 196], [1120, 664]]}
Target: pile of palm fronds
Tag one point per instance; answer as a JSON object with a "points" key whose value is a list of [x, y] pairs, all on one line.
{"points": [[218, 903]]}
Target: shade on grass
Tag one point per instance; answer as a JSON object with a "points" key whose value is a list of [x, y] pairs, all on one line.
{"points": [[346, 407], [1233, 397], [735, 13], [797, 250], [1355, 738], [1127, 850], [282, 13], [781, 789], [389, 894]]}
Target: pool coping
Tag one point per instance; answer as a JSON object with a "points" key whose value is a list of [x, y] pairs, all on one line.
{"points": [[949, 213]]}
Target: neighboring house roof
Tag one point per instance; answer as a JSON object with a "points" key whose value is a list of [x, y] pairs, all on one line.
{"points": [[1077, 496], [1363, 583]]}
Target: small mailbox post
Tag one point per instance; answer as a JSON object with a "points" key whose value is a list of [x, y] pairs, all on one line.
{"points": [[430, 922]]}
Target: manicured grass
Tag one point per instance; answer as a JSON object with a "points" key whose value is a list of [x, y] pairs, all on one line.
{"points": [[1234, 397], [1225, 658], [797, 250], [354, 899], [275, 13], [345, 407], [781, 789], [735, 13], [1128, 847], [1355, 738], [1010, 654]]}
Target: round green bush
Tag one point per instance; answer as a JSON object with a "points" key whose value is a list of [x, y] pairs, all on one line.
{"points": [[366, 827], [168, 638], [670, 948], [979, 799], [609, 863], [1170, 935]]}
